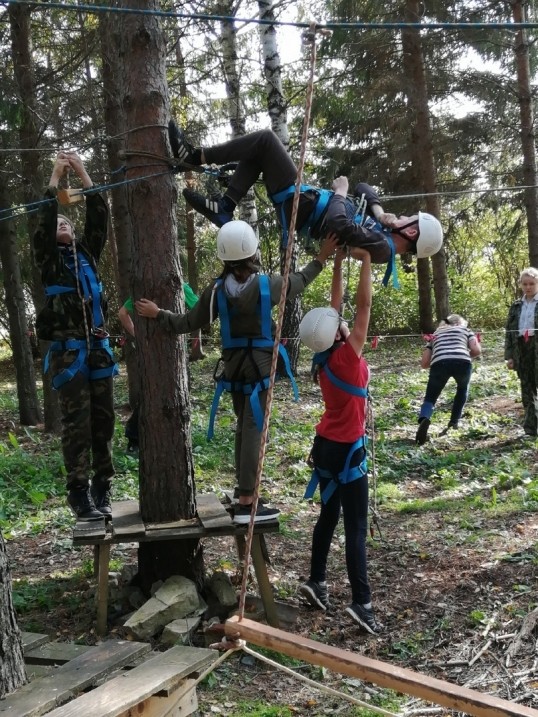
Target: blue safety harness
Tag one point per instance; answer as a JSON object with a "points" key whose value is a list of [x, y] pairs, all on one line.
{"points": [[347, 474], [320, 207], [265, 340], [91, 291]]}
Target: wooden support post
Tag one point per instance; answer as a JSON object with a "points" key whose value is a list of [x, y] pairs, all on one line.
{"points": [[380, 673], [102, 587], [266, 591]]}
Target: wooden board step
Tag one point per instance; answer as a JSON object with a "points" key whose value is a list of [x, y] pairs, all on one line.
{"points": [[55, 653], [44, 694], [89, 529], [212, 513], [31, 640], [126, 519], [160, 676]]}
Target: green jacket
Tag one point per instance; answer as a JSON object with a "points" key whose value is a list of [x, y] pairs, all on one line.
{"points": [[62, 316], [511, 345]]}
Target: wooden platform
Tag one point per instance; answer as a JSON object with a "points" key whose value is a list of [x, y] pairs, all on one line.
{"points": [[213, 520], [108, 680]]}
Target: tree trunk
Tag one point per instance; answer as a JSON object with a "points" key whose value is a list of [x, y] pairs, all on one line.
{"points": [[422, 156], [167, 491], [12, 670], [115, 129], [29, 409], [32, 183], [528, 137], [277, 109]]}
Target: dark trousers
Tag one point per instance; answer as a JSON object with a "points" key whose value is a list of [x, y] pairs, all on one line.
{"points": [[353, 499], [247, 442], [440, 373], [131, 426], [87, 421], [257, 153], [526, 372]]}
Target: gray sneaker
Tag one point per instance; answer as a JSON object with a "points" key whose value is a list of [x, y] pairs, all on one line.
{"points": [[364, 617], [316, 594]]}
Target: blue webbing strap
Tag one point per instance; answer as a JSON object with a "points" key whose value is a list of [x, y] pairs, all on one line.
{"points": [[391, 265], [344, 385], [279, 198], [346, 475], [79, 364], [91, 288]]}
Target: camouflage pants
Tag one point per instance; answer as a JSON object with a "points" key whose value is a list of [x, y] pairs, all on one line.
{"points": [[87, 420], [527, 375]]}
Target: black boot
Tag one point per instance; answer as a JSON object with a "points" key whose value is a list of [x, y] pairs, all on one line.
{"points": [[82, 505], [102, 499]]}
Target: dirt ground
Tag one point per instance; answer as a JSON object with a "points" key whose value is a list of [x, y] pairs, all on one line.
{"points": [[452, 598]]}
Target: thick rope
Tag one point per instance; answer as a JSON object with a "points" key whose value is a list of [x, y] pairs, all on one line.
{"points": [[309, 37]]}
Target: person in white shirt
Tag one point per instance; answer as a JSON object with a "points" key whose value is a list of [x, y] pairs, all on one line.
{"points": [[520, 346], [448, 355]]}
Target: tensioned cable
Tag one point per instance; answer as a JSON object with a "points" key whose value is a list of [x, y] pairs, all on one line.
{"points": [[261, 21]]}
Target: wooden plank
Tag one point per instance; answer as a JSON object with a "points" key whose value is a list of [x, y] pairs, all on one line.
{"points": [[380, 673], [174, 524], [31, 640], [211, 512], [89, 529], [55, 653], [161, 674], [42, 695], [182, 702], [126, 518]]}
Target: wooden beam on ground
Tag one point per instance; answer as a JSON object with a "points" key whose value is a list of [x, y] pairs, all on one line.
{"points": [[380, 673]]}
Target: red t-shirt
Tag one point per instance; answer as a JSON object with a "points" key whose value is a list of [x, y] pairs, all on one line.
{"points": [[344, 417]]}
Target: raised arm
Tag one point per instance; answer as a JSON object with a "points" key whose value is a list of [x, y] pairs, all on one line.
{"points": [[337, 284], [363, 301]]}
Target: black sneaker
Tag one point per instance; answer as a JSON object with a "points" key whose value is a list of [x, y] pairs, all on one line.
{"points": [[364, 617], [82, 505], [453, 424], [213, 208], [102, 499], [422, 432], [316, 594], [263, 514], [181, 148]]}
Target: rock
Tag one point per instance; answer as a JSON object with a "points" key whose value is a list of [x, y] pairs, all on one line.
{"points": [[179, 632]]}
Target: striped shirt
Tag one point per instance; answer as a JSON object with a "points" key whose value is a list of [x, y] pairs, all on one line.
{"points": [[449, 343]]}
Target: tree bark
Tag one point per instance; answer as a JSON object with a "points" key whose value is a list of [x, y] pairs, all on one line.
{"points": [[32, 182], [528, 135], [29, 409], [167, 490], [12, 669], [422, 156], [115, 128]]}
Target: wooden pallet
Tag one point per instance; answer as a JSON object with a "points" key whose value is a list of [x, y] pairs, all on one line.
{"points": [[94, 681], [212, 520]]}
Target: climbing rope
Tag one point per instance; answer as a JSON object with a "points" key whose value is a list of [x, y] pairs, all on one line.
{"points": [[308, 38]]}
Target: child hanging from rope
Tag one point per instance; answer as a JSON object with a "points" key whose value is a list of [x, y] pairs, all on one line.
{"points": [[242, 299], [339, 452], [320, 210]]}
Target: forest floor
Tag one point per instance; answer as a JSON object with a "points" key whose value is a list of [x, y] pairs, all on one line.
{"points": [[453, 568]]}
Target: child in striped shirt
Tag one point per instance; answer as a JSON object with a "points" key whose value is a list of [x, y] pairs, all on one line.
{"points": [[448, 355]]}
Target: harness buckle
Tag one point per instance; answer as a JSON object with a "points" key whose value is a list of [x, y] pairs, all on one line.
{"points": [[100, 333], [218, 373]]}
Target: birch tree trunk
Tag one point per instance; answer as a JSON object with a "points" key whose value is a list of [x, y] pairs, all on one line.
{"points": [[232, 81], [423, 160], [528, 135], [277, 109], [12, 669], [167, 491]]}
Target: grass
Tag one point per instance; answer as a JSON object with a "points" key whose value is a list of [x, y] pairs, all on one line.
{"points": [[464, 481]]}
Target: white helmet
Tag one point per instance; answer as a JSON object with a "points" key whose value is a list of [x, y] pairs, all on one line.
{"points": [[430, 238], [236, 240], [318, 328]]}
